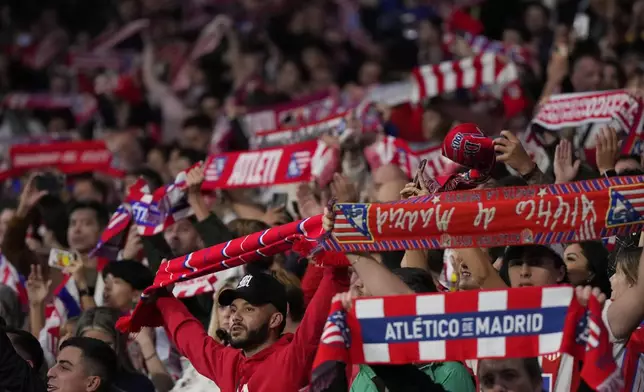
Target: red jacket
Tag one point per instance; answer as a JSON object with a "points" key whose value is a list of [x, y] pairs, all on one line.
{"points": [[284, 366]]}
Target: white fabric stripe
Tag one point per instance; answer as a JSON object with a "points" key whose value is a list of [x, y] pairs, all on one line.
{"points": [[553, 297], [430, 81], [430, 304], [432, 350], [469, 73], [376, 352], [488, 63], [491, 347], [493, 300], [370, 308], [550, 342], [446, 69]]}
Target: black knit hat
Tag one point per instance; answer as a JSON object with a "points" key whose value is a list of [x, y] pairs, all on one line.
{"points": [[132, 272]]}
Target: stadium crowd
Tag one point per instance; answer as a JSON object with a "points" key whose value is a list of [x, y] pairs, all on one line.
{"points": [[186, 189]]}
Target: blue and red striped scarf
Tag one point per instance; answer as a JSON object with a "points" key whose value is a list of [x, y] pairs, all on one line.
{"points": [[151, 212]]}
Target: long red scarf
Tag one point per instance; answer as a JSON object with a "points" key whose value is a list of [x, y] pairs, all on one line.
{"points": [[573, 212], [67, 157], [231, 254], [301, 162], [83, 106]]}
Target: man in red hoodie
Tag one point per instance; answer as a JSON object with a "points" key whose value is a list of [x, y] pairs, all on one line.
{"points": [[261, 358]]}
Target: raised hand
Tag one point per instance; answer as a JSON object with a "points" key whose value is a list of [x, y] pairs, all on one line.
{"points": [[37, 287], [583, 294], [308, 204], [275, 216], [30, 196], [194, 179], [565, 169], [607, 149], [328, 220], [343, 190], [512, 153]]}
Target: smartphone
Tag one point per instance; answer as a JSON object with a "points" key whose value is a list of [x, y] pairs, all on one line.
{"points": [[279, 200], [61, 259], [50, 182], [581, 26]]}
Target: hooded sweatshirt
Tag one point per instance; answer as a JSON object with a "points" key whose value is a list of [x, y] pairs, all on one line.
{"points": [[284, 366]]}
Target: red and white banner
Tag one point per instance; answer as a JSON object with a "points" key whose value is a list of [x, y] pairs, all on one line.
{"points": [[618, 108], [299, 133], [309, 109], [335, 124], [83, 106], [267, 167], [391, 150], [114, 60], [486, 69], [111, 38], [573, 110], [66, 157], [207, 42]]}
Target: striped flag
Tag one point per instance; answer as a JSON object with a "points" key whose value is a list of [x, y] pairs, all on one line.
{"points": [[11, 278], [351, 223], [627, 205]]}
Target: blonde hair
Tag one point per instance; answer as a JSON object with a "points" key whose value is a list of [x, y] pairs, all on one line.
{"points": [[213, 326], [628, 261]]}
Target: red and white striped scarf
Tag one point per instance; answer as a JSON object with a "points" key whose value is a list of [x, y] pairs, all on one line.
{"points": [[42, 54], [391, 150], [114, 36], [486, 69], [83, 106], [618, 108], [481, 44], [209, 38]]}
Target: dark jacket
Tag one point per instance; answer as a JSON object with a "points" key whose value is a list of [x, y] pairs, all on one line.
{"points": [[15, 373]]}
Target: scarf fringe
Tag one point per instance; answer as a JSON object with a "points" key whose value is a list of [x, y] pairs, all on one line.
{"points": [[321, 257]]}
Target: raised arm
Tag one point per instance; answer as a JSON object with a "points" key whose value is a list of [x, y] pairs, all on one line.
{"points": [[626, 312], [209, 358]]}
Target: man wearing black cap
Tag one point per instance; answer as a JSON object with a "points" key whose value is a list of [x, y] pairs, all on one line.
{"points": [[258, 312], [125, 280], [261, 357]]}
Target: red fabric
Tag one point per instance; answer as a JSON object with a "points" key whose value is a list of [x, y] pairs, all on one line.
{"points": [[459, 20], [408, 120], [284, 366], [310, 282], [467, 145]]}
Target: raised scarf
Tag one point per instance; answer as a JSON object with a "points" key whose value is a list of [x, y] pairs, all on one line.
{"points": [[486, 69], [82, 106], [301, 162], [459, 326], [216, 258], [151, 212], [619, 108], [544, 214], [66, 157], [518, 54], [334, 124]]}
